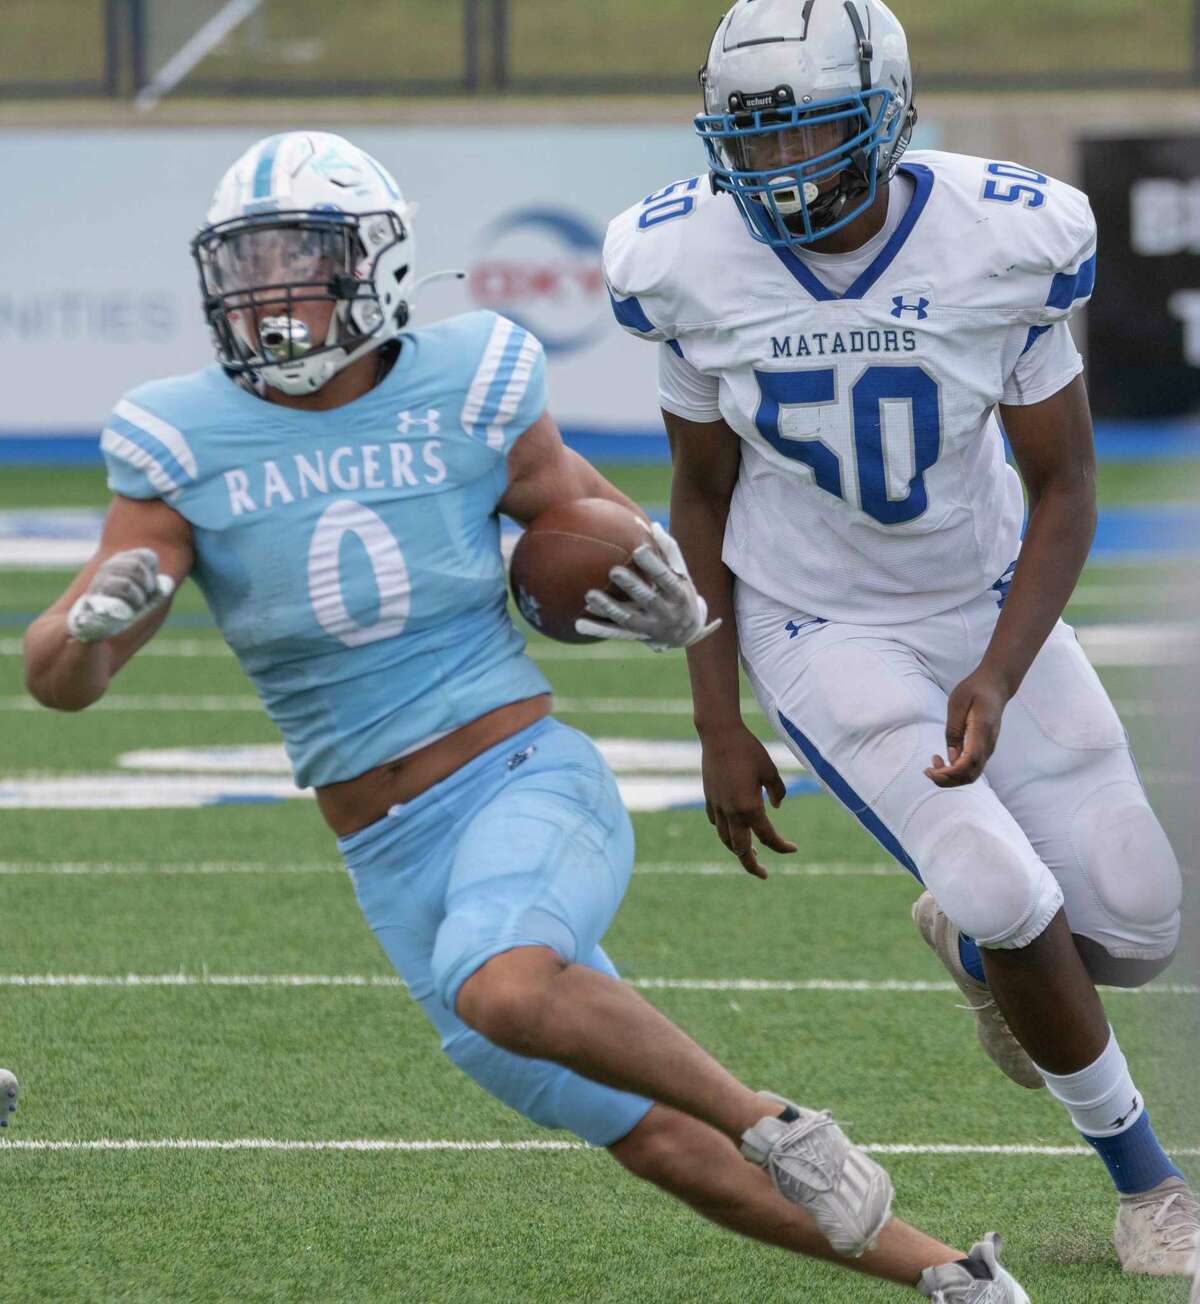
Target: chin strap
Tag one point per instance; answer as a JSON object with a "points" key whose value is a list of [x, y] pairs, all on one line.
{"points": [[404, 312], [455, 273]]}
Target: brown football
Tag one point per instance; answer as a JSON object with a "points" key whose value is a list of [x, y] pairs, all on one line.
{"points": [[566, 551]]}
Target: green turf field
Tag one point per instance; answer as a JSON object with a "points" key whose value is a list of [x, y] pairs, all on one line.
{"points": [[336, 1053]]}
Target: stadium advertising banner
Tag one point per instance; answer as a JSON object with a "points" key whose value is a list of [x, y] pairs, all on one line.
{"points": [[99, 291], [1144, 323]]}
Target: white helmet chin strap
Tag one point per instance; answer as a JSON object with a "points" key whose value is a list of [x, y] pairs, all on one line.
{"points": [[429, 277]]}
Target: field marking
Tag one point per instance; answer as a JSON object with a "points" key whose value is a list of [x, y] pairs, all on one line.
{"points": [[625, 756], [668, 706], [149, 702], [725, 869], [298, 980], [125, 791], [384, 1146], [712, 869], [84, 868], [1147, 643], [214, 702], [652, 869], [215, 648]]}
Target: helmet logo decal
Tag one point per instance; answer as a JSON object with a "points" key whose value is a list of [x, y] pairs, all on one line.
{"points": [[265, 167], [750, 102]]}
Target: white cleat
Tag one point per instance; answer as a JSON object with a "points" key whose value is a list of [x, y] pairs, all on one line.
{"points": [[995, 1036], [9, 1091], [813, 1164], [1158, 1232], [984, 1282]]}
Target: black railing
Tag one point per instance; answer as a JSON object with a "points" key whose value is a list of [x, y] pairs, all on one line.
{"points": [[485, 47]]}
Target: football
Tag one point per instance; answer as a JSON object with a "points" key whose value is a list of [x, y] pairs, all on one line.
{"points": [[566, 551]]}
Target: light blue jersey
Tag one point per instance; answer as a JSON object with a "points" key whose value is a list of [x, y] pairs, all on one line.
{"points": [[352, 557]]}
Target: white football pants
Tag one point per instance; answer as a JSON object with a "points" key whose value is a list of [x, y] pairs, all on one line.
{"points": [[1059, 816]]}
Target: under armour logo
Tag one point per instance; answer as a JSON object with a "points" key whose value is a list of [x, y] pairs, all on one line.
{"points": [[431, 421], [1120, 1122], [793, 629], [529, 607], [519, 758], [901, 307]]}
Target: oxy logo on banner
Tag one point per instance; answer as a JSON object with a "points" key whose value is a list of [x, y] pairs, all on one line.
{"points": [[541, 267]]}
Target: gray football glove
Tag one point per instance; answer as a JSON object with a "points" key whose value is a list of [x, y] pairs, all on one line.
{"points": [[984, 1282], [665, 613], [127, 587]]}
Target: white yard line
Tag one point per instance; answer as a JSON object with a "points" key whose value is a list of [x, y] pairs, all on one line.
{"points": [[1107, 644], [642, 706], [214, 647], [725, 869], [163, 646], [382, 1146], [714, 869], [168, 645], [84, 869], [116, 702], [217, 703], [297, 980], [651, 869], [1049, 1152]]}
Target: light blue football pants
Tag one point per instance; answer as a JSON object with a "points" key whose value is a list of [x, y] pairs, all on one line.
{"points": [[527, 845]]}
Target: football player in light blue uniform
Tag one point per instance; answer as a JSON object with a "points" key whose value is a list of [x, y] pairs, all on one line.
{"points": [[333, 486]]}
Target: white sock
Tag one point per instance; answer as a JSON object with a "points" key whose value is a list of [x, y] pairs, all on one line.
{"points": [[1101, 1098]]}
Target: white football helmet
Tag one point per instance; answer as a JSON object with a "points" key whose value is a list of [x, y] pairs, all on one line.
{"points": [[808, 107], [303, 217]]}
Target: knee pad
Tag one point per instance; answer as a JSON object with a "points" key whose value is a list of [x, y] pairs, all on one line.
{"points": [[982, 871], [1136, 885]]}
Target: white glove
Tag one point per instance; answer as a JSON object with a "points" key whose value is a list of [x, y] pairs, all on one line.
{"points": [[127, 587], [666, 613]]}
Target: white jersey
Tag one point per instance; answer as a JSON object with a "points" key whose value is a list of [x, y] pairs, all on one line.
{"points": [[873, 486]]}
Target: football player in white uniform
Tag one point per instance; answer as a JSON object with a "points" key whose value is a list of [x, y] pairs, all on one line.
{"points": [[837, 327]]}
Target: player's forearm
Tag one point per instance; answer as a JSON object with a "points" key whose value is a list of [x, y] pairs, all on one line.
{"points": [[698, 524], [594, 485], [1057, 540], [60, 672]]}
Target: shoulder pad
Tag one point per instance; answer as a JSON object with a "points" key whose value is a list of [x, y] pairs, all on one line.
{"points": [[1030, 239], [502, 369], [648, 250], [150, 442]]}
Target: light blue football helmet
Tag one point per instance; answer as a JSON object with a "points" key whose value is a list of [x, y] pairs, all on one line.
{"points": [[808, 107]]}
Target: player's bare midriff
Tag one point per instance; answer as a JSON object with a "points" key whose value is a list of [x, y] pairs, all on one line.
{"points": [[358, 802]]}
